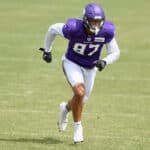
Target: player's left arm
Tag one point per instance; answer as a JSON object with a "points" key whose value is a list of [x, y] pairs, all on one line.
{"points": [[113, 52]]}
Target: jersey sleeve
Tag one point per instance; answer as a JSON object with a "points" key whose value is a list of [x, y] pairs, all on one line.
{"points": [[55, 29], [110, 31]]}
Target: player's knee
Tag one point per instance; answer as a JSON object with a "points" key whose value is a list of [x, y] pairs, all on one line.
{"points": [[79, 90]]}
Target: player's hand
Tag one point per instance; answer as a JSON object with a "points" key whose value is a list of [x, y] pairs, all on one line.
{"points": [[47, 56], [100, 64]]}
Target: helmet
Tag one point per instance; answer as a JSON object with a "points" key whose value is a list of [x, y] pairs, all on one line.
{"points": [[95, 12]]}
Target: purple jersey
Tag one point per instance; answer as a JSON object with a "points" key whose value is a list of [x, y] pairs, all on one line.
{"points": [[85, 49]]}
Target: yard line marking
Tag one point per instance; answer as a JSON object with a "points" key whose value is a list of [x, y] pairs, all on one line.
{"points": [[126, 79], [18, 59], [27, 111], [89, 115], [34, 134], [131, 95], [66, 135], [23, 94]]}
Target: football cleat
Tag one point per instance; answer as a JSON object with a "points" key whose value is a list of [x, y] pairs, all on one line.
{"points": [[78, 134], [63, 117]]}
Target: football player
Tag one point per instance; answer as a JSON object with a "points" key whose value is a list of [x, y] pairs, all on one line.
{"points": [[86, 38]]}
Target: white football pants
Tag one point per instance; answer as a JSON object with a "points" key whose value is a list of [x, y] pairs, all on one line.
{"points": [[76, 74]]}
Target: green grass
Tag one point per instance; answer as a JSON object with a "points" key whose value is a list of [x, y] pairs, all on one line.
{"points": [[117, 115]]}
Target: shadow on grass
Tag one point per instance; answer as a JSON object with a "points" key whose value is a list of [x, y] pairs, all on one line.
{"points": [[47, 140]]}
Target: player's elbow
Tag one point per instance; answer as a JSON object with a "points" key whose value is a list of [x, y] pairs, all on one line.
{"points": [[112, 57], [116, 56]]}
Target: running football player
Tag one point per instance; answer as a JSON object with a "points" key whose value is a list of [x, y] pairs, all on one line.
{"points": [[86, 38]]}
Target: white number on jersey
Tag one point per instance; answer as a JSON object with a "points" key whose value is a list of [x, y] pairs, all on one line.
{"points": [[94, 50], [80, 48]]}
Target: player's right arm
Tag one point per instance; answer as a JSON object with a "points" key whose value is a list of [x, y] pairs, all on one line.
{"points": [[63, 29], [55, 29]]}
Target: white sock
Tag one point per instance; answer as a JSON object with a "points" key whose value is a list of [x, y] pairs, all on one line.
{"points": [[77, 123]]}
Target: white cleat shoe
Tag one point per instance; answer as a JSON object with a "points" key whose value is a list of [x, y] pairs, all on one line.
{"points": [[63, 118], [78, 134]]}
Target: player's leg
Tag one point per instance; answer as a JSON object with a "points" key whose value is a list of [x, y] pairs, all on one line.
{"points": [[74, 76], [89, 78], [76, 103], [81, 92]]}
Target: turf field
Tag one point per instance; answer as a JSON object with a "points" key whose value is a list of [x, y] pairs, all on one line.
{"points": [[117, 116]]}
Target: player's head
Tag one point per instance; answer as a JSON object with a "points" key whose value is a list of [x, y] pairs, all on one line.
{"points": [[93, 17]]}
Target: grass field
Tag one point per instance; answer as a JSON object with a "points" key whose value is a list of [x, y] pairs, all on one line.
{"points": [[117, 116]]}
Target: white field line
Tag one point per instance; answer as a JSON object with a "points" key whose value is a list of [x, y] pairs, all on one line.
{"points": [[28, 92], [16, 59], [31, 134], [27, 111], [111, 78], [89, 115], [131, 95], [13, 59], [126, 79], [66, 135]]}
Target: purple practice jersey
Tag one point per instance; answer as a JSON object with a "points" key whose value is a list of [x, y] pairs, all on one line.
{"points": [[85, 49]]}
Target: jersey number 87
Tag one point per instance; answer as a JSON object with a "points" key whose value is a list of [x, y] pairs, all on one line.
{"points": [[80, 48]]}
